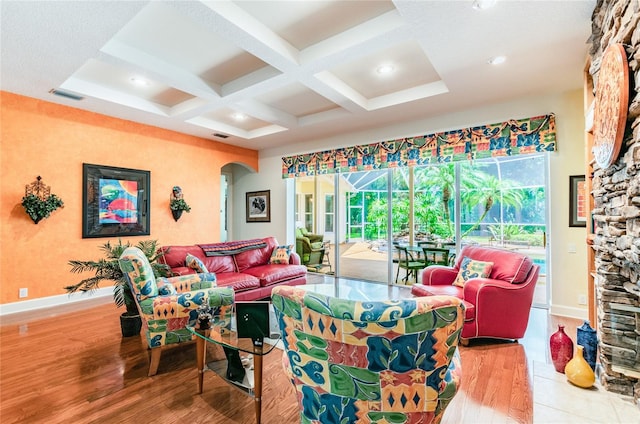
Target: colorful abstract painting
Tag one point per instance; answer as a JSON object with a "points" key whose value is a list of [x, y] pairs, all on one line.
{"points": [[118, 201]]}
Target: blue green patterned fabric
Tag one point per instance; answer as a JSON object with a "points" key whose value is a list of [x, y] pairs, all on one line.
{"points": [[168, 305], [472, 269], [365, 362]]}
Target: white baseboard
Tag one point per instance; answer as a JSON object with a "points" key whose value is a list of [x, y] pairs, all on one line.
{"points": [[567, 311], [50, 301]]}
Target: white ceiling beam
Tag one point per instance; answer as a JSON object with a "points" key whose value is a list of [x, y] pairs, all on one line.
{"points": [[166, 73], [408, 95], [321, 117], [268, 130], [217, 126], [231, 130], [101, 92], [318, 60], [250, 34], [181, 110], [359, 40], [265, 113], [332, 85], [253, 79]]}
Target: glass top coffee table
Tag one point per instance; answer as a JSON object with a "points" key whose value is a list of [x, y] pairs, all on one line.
{"points": [[359, 290], [249, 381]]}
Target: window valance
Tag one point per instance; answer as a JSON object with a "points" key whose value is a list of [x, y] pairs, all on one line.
{"points": [[513, 137]]}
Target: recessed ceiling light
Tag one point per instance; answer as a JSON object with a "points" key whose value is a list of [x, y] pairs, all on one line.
{"points": [[140, 82], [483, 4], [497, 60], [385, 69], [239, 116]]}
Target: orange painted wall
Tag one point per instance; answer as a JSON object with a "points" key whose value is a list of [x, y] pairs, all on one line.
{"points": [[53, 141]]}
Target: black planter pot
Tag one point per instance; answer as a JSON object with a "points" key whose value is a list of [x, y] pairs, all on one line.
{"points": [[176, 214], [130, 325]]}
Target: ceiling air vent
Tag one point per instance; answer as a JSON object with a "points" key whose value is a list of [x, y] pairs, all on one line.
{"points": [[220, 135], [66, 94]]}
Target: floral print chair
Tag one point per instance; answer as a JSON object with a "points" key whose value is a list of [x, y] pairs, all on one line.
{"points": [[370, 362], [168, 305]]}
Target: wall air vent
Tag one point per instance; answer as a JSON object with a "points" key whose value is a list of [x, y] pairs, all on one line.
{"points": [[220, 135], [66, 94]]}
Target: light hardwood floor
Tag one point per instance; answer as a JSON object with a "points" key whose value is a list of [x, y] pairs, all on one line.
{"points": [[71, 365]]}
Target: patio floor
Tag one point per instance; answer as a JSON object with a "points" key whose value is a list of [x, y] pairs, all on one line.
{"points": [[360, 261]]}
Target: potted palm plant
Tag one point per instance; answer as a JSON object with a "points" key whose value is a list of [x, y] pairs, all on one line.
{"points": [[108, 268]]}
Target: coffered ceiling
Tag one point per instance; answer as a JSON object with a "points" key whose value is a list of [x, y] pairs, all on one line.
{"points": [[261, 74]]}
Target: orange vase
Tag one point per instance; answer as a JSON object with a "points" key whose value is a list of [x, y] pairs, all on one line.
{"points": [[578, 370]]}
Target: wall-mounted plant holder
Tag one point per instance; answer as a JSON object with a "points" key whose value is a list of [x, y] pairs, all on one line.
{"points": [[177, 203], [38, 202]]}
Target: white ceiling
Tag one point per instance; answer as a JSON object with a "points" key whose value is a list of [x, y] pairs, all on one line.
{"points": [[296, 70]]}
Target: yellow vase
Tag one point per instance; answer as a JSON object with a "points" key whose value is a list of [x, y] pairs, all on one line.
{"points": [[578, 371]]}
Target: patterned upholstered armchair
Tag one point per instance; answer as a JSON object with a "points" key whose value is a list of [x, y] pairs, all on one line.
{"points": [[168, 305], [352, 361]]}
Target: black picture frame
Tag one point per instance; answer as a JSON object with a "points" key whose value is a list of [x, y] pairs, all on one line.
{"points": [[577, 201], [115, 201], [259, 206]]}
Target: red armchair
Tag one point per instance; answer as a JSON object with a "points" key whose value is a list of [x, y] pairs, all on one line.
{"points": [[497, 306]]}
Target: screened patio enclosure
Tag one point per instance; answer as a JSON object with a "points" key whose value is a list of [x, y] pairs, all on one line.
{"points": [[499, 201]]}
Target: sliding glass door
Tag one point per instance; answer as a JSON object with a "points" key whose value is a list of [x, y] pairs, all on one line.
{"points": [[504, 205], [364, 216], [364, 253]]}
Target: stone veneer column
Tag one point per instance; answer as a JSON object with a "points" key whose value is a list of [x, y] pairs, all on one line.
{"points": [[616, 213]]}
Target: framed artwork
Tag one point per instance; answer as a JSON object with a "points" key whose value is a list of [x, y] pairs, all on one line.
{"points": [[115, 201], [577, 201], [259, 206]]}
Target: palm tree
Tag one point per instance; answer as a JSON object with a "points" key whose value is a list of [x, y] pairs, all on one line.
{"points": [[440, 180], [486, 189]]}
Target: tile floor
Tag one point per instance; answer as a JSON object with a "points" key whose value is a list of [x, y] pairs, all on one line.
{"points": [[558, 401]]}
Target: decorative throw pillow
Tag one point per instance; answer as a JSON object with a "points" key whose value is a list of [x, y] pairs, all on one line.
{"points": [[472, 269], [195, 263], [280, 254]]}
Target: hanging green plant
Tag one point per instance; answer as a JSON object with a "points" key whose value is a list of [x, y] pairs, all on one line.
{"points": [[38, 209], [180, 205], [177, 203], [38, 201]]}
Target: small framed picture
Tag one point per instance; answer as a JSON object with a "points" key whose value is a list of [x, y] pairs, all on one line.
{"points": [[259, 206], [577, 201]]}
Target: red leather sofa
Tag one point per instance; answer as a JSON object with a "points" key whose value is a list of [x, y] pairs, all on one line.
{"points": [[497, 306], [249, 273]]}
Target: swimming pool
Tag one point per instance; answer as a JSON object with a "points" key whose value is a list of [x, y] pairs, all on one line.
{"points": [[543, 265]]}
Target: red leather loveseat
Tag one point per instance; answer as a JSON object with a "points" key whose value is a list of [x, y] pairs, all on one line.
{"points": [[497, 306], [248, 272]]}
